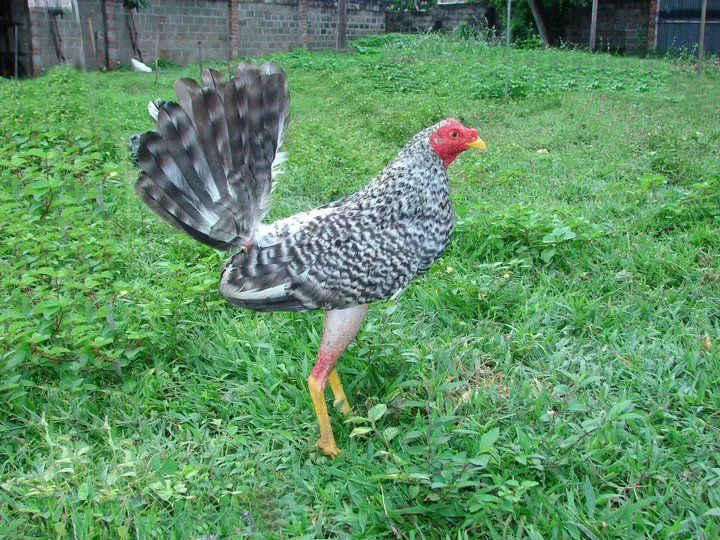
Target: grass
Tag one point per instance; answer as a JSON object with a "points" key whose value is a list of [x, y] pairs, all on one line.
{"points": [[556, 374]]}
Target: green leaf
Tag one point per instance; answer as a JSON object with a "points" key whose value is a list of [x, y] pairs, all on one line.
{"points": [[83, 491], [589, 497], [37, 152], [170, 466], [16, 359], [619, 408], [547, 254], [488, 440], [390, 433], [480, 461], [377, 412], [360, 431], [413, 435]]}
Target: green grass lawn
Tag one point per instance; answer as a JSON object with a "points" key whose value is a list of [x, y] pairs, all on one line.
{"points": [[556, 374]]}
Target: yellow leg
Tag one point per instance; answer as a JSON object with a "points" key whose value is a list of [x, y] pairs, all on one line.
{"points": [[339, 329], [341, 400], [327, 440]]}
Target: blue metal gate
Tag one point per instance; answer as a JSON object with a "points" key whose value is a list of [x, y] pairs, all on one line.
{"points": [[678, 26]]}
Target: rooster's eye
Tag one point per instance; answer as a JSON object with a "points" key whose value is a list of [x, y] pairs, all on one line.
{"points": [[454, 134]]}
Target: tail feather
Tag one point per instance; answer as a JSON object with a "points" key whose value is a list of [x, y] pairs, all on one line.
{"points": [[205, 109], [213, 79], [208, 170], [153, 108], [235, 101], [182, 147], [163, 188]]}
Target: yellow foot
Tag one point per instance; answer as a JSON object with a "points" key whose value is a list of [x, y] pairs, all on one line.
{"points": [[329, 448], [342, 405]]}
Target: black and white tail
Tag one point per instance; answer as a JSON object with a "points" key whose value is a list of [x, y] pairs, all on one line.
{"points": [[208, 170]]}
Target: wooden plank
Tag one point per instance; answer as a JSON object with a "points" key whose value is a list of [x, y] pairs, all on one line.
{"points": [[539, 22], [342, 25], [701, 45], [593, 25], [507, 29]]}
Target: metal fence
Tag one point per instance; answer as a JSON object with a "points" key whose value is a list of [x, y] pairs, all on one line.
{"points": [[678, 26]]}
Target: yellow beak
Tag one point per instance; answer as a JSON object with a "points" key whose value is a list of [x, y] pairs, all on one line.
{"points": [[478, 144]]}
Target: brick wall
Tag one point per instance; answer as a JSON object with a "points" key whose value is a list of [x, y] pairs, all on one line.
{"points": [[273, 25], [74, 32], [363, 17], [90, 10], [321, 26], [622, 26], [226, 28], [232, 28], [180, 24], [44, 50], [442, 17], [16, 15], [265, 28]]}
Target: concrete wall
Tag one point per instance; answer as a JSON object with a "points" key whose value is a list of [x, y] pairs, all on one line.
{"points": [[16, 15], [232, 28], [622, 26], [42, 31], [442, 18], [273, 26], [180, 24], [226, 28], [74, 36], [265, 28]]}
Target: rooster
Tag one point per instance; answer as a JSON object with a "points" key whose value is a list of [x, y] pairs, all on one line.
{"points": [[208, 170]]}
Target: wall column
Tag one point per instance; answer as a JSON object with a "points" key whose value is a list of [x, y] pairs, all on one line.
{"points": [[35, 32], [110, 28], [652, 25], [234, 40]]}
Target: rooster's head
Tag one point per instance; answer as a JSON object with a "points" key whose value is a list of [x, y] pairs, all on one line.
{"points": [[451, 138]]}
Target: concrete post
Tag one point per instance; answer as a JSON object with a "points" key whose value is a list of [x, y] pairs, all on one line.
{"points": [[234, 38], [110, 28], [342, 25]]}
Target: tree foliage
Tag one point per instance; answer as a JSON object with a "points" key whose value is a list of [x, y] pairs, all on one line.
{"points": [[136, 4], [524, 28], [412, 5]]}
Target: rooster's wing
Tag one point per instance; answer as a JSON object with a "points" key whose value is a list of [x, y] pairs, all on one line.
{"points": [[339, 259]]}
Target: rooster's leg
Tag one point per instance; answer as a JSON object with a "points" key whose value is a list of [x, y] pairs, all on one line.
{"points": [[341, 401], [339, 328]]}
